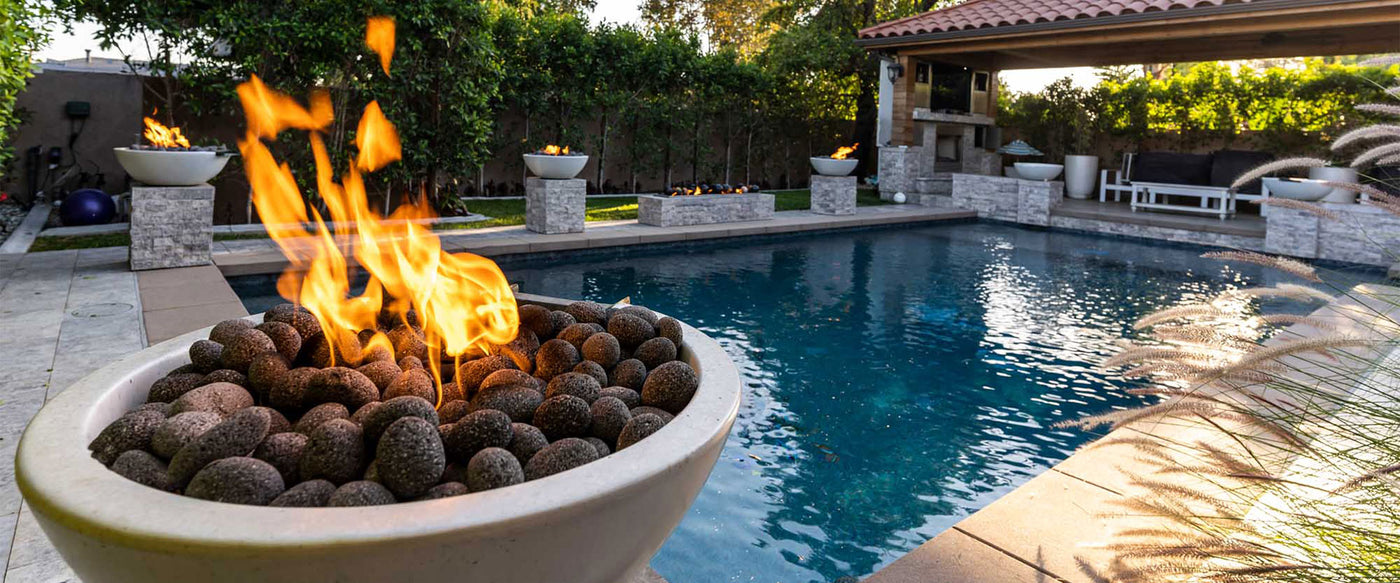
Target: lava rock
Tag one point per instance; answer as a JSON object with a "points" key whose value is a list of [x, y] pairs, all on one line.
{"points": [[555, 357], [578, 333], [372, 472], [237, 480], [238, 353], [600, 445], [162, 408], [573, 383], [381, 373], [518, 402], [283, 451], [278, 422], [297, 317], [565, 454], [342, 385], [444, 490], [412, 383], [362, 493], [522, 350], [526, 441], [335, 452], [642, 312], [454, 472], [308, 494], [224, 332], [236, 436], [173, 386], [290, 393], [143, 468], [221, 398], [563, 416], [594, 370], [610, 415], [205, 355], [266, 372], [493, 468], [643, 410], [318, 416], [638, 429], [177, 431], [536, 318], [284, 337], [670, 386], [475, 432], [394, 409], [130, 431], [561, 321], [411, 363], [630, 329], [454, 411], [630, 397], [630, 373], [183, 369], [278, 310], [510, 378], [670, 329], [224, 375], [602, 348], [655, 352], [359, 416], [452, 392], [408, 343], [587, 312], [410, 457], [322, 353], [472, 373], [376, 352]]}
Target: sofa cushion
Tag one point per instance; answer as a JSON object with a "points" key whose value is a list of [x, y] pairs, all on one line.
{"points": [[1172, 168], [1230, 164]]}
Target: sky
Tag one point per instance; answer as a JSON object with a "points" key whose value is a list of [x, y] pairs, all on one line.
{"points": [[70, 46]]}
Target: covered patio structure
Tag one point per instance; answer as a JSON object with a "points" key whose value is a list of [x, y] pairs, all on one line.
{"points": [[939, 91]]}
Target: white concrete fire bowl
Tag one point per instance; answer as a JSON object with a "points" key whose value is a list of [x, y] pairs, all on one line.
{"points": [[556, 167], [1306, 190], [171, 167], [1038, 171], [827, 166], [598, 523]]}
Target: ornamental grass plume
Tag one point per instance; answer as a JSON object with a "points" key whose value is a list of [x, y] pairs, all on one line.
{"points": [[1273, 452]]}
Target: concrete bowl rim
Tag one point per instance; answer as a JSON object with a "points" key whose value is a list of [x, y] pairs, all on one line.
{"points": [[828, 166], [60, 480]]}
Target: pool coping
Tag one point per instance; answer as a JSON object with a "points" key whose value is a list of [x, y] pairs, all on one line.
{"points": [[1054, 527]]}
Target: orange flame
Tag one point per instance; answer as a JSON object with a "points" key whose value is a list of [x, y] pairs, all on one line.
{"points": [[463, 302], [553, 150], [158, 135], [844, 151], [379, 36]]}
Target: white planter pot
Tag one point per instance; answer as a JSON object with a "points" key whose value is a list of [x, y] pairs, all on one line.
{"points": [[833, 167], [555, 167], [598, 523], [1336, 174], [1081, 175], [171, 168], [1305, 190], [1038, 171]]}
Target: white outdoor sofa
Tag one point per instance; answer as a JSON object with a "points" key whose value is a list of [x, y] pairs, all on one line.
{"points": [[1153, 188]]}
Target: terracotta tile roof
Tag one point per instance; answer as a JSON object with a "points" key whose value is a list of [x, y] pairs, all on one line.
{"points": [[975, 14]]}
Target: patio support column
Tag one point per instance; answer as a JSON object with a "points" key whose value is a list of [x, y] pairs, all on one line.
{"points": [[902, 126]]}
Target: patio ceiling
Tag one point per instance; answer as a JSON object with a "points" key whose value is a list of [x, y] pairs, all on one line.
{"points": [[1028, 34]]}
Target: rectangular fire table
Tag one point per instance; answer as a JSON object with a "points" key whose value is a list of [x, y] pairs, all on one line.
{"points": [[705, 209]]}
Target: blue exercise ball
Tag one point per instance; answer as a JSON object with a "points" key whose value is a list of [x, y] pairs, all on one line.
{"points": [[88, 206]]}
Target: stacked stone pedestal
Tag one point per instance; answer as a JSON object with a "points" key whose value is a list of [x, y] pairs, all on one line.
{"points": [[171, 226], [1360, 233], [705, 209], [555, 206], [833, 195]]}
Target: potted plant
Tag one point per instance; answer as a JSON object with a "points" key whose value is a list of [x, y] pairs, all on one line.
{"points": [[1081, 170]]}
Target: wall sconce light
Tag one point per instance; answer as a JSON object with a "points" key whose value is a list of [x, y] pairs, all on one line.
{"points": [[894, 71]]}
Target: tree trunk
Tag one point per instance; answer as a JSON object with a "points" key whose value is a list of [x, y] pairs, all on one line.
{"points": [[695, 152], [748, 157], [525, 172], [602, 149], [668, 155]]}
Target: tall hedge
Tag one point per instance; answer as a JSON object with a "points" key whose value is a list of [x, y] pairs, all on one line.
{"points": [[21, 34]]}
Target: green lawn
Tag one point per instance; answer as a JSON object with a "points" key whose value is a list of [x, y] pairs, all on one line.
{"points": [[503, 213]]}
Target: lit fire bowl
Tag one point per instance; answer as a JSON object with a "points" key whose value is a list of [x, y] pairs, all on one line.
{"points": [[171, 167], [551, 167], [598, 523], [827, 166]]}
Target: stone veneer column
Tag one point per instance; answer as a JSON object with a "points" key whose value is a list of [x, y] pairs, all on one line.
{"points": [[171, 226], [899, 166], [1361, 233], [555, 206], [833, 195], [1027, 202]]}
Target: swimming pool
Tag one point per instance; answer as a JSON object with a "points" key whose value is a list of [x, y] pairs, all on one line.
{"points": [[896, 380]]}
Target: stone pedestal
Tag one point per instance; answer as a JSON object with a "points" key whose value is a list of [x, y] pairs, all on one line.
{"points": [[833, 195], [1361, 233], [1027, 202], [705, 209], [555, 206], [171, 226], [899, 167]]}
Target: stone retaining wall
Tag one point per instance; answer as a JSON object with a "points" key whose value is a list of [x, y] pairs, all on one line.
{"points": [[706, 209], [1007, 199], [1362, 234], [171, 226]]}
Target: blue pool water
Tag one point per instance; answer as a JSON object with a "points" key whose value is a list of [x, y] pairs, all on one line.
{"points": [[895, 380]]}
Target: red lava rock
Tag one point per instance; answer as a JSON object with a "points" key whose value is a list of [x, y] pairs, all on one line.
{"points": [[283, 451], [573, 383], [412, 383], [587, 312], [236, 436], [602, 348], [563, 416], [205, 355], [594, 370], [381, 373], [224, 375], [318, 416], [284, 337], [335, 452], [537, 319], [471, 373], [670, 329], [178, 430], [610, 415], [143, 468], [173, 386], [519, 402], [655, 352], [130, 431], [670, 386], [630, 329], [221, 398], [522, 350], [578, 333], [238, 353], [554, 358], [267, 370], [362, 493], [342, 385], [630, 397], [224, 332], [630, 373], [444, 490]]}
